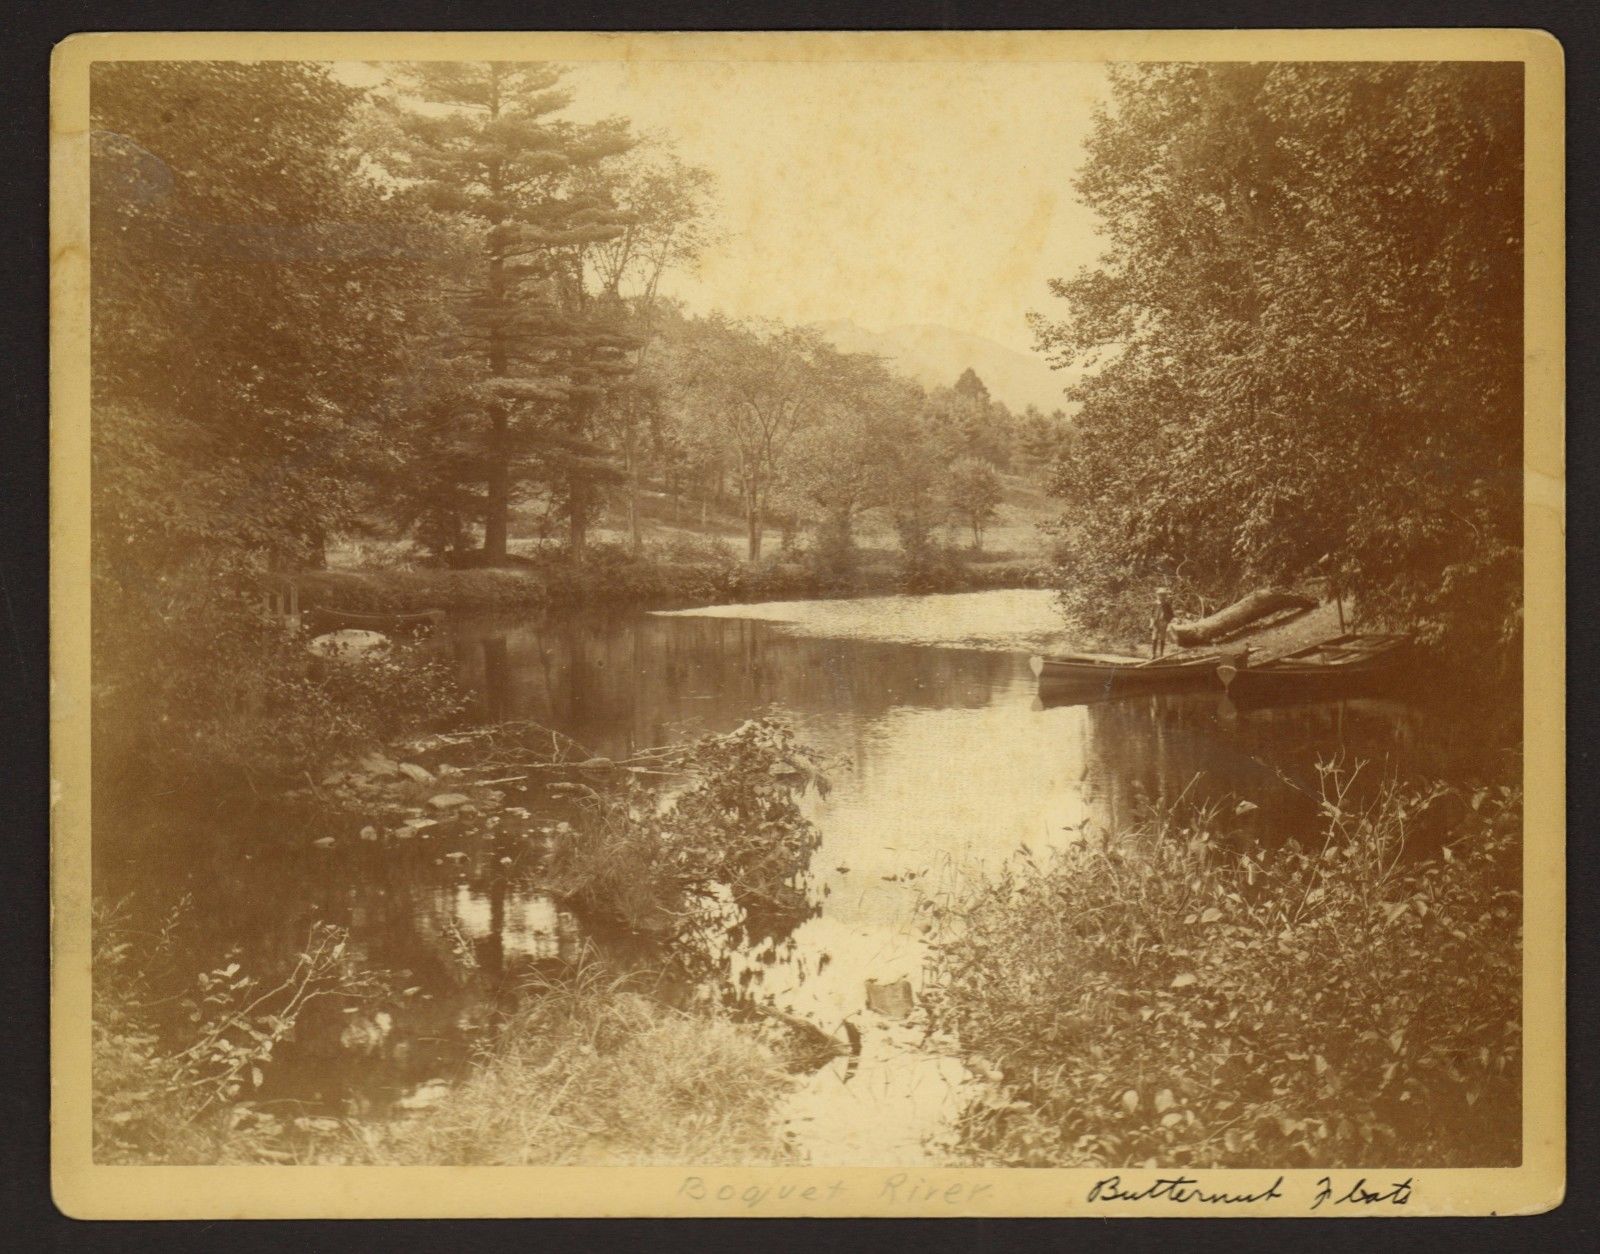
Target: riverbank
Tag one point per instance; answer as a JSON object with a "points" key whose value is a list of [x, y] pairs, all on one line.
{"points": [[613, 578], [1155, 996], [479, 869], [593, 1061]]}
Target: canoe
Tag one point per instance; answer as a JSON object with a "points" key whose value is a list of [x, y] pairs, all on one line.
{"points": [[1329, 667], [320, 619], [1114, 672]]}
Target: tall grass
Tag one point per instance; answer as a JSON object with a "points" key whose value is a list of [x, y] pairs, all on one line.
{"points": [[591, 1072], [1155, 997]]}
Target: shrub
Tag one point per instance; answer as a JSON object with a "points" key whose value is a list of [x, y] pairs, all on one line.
{"points": [[227, 697], [1155, 998], [177, 1055], [684, 548], [644, 860]]}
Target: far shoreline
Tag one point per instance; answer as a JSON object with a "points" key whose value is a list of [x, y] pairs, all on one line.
{"points": [[640, 584]]}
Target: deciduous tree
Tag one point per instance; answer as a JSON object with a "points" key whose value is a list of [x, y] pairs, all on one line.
{"points": [[1307, 333]]}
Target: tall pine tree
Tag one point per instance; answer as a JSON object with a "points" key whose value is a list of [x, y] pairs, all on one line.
{"points": [[482, 145]]}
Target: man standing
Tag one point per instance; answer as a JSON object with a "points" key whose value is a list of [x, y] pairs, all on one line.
{"points": [[1159, 623]]}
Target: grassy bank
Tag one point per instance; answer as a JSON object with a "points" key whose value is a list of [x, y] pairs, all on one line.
{"points": [[613, 577], [590, 1073], [586, 1071], [582, 1068], [1153, 997]]}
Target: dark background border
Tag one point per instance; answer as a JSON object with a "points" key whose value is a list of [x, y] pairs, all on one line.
{"points": [[29, 1220]]}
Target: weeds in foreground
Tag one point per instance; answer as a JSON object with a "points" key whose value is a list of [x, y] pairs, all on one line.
{"points": [[588, 1070], [1155, 998], [159, 1102], [593, 1072]]}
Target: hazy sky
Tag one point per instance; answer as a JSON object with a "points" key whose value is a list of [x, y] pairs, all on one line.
{"points": [[883, 193]]}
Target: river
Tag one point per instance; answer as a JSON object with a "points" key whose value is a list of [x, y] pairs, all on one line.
{"points": [[945, 763]]}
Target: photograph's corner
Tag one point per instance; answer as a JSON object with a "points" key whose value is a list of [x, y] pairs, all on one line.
{"points": [[71, 56], [73, 1193], [1547, 1192], [1543, 50]]}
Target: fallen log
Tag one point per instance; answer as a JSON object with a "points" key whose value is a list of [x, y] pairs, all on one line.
{"points": [[1240, 614]]}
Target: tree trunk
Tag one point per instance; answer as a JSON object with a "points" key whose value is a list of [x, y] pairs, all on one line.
{"points": [[498, 505], [1240, 614], [498, 502], [753, 523], [577, 519], [635, 536]]}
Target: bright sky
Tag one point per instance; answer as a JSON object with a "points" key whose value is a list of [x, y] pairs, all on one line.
{"points": [[883, 193]]}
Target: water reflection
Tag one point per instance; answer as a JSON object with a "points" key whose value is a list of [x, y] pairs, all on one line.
{"points": [[948, 761]]}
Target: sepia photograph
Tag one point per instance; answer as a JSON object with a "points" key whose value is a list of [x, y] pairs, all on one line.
{"points": [[811, 611]]}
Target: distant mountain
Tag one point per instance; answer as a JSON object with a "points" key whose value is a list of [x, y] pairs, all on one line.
{"points": [[935, 356]]}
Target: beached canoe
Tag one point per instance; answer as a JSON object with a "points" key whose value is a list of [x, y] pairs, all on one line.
{"points": [[1114, 672], [1329, 667]]}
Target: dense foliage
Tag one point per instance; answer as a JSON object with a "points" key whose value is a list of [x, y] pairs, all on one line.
{"points": [[1306, 328], [245, 274], [170, 1094], [587, 1068], [484, 150], [1156, 997], [732, 824]]}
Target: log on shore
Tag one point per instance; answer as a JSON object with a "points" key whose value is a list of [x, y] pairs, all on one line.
{"points": [[1240, 614]]}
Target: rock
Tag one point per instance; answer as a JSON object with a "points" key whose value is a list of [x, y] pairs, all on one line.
{"points": [[377, 764], [369, 833], [348, 645], [425, 1096], [448, 800], [324, 842], [892, 1001], [420, 774], [365, 1034]]}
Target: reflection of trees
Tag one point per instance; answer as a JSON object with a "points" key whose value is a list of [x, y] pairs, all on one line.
{"points": [[620, 685], [1146, 750], [496, 678]]}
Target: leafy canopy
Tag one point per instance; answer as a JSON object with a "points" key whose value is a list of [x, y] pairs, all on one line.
{"points": [[1305, 334]]}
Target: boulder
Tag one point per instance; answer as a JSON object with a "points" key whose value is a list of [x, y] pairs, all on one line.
{"points": [[892, 1001], [348, 645]]}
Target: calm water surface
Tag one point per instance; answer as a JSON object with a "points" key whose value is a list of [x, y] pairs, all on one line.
{"points": [[946, 761]]}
